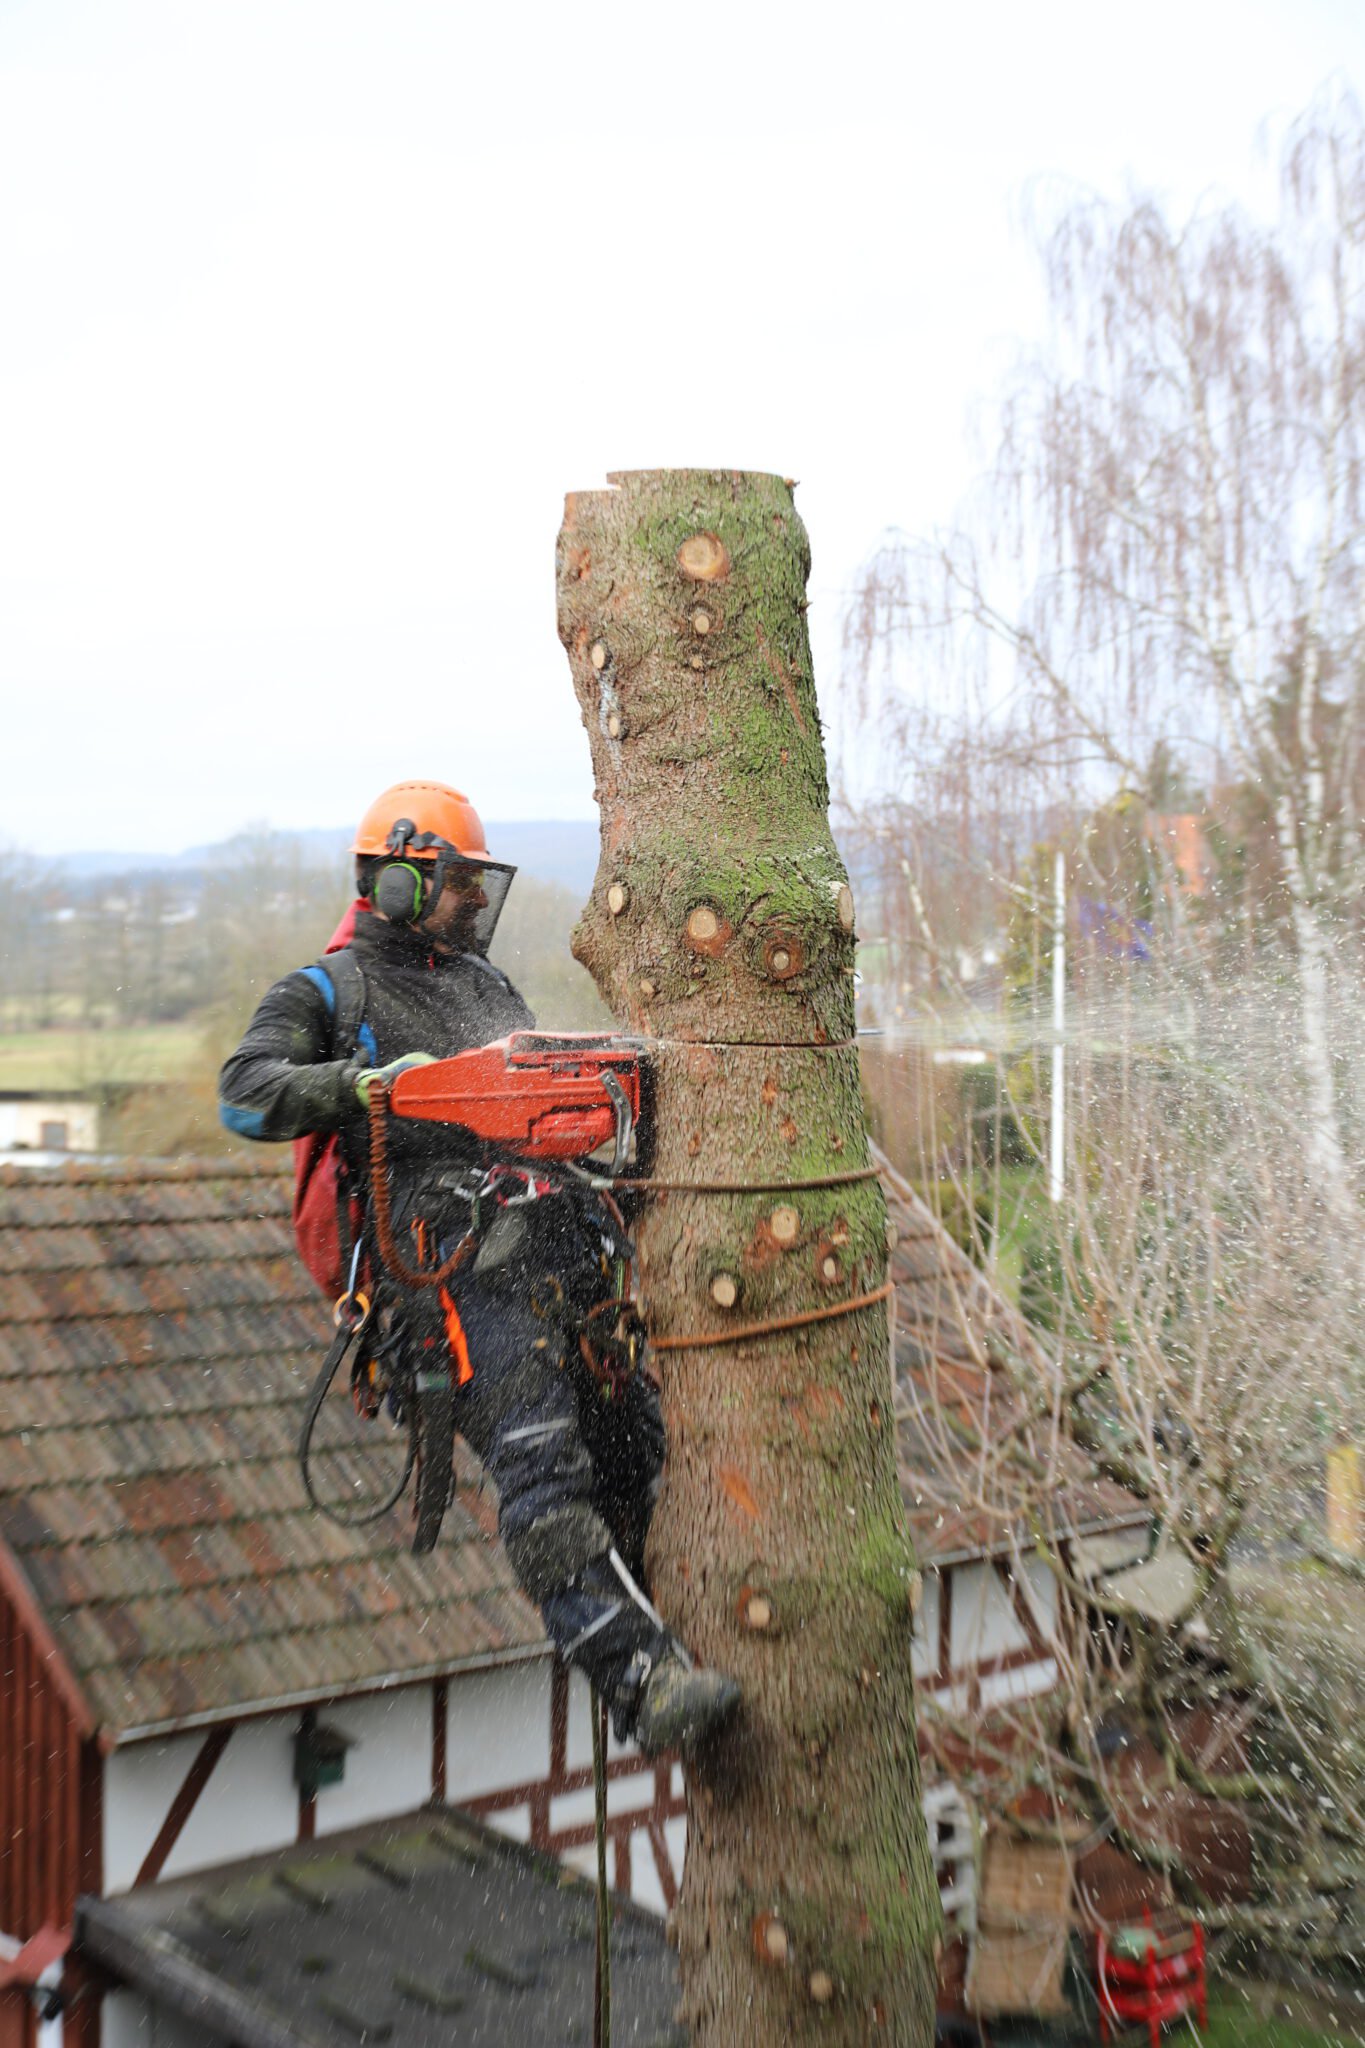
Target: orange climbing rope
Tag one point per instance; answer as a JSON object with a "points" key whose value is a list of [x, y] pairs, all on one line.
{"points": [[743, 1331], [411, 1276]]}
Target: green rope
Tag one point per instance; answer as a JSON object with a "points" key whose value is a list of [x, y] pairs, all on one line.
{"points": [[601, 1997]]}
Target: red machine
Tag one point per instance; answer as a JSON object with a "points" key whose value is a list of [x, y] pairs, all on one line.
{"points": [[1149, 1973], [542, 1095]]}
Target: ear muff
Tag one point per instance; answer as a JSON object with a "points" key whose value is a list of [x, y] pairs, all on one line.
{"points": [[401, 892]]}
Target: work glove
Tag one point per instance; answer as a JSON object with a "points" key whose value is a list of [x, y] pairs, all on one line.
{"points": [[366, 1079]]}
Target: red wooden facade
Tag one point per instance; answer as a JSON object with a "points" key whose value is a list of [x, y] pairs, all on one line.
{"points": [[50, 1774]]}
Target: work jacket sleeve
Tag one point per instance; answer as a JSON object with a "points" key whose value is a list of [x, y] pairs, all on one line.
{"points": [[282, 1081]]}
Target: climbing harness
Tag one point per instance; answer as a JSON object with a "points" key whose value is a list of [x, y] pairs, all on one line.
{"points": [[391, 1377], [411, 1276], [611, 1342]]}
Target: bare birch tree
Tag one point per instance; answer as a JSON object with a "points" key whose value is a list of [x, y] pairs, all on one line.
{"points": [[1196, 1346], [1171, 542]]}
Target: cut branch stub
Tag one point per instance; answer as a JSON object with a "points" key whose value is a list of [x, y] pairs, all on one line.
{"points": [[785, 1224], [784, 955], [702, 558], [770, 1939], [703, 925]]}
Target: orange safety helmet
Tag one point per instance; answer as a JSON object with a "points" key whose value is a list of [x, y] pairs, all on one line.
{"points": [[432, 811], [429, 822]]}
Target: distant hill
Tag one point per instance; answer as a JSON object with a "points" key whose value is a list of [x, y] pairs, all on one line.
{"points": [[562, 850]]}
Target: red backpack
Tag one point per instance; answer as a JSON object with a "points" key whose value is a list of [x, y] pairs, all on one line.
{"points": [[328, 1212]]}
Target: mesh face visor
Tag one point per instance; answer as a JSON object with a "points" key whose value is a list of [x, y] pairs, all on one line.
{"points": [[491, 878]]}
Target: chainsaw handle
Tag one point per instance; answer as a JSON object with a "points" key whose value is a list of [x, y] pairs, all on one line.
{"points": [[625, 1121]]}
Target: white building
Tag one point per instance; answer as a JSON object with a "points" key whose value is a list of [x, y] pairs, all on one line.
{"points": [[47, 1122]]}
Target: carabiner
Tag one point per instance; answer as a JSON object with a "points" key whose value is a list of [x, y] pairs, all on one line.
{"points": [[357, 1306]]}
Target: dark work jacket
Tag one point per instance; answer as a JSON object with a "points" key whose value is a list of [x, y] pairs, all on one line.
{"points": [[289, 1077]]}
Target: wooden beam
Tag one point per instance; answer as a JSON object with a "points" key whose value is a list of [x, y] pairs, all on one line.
{"points": [[1023, 1609], [38, 1954], [663, 1864], [440, 1705], [945, 1628], [308, 1801], [559, 1721], [184, 1803], [158, 1964], [83, 1981]]}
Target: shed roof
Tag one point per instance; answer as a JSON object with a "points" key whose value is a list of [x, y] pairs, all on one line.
{"points": [[157, 1335], [417, 1932]]}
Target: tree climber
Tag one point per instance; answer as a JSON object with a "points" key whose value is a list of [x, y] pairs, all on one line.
{"points": [[576, 1475]]}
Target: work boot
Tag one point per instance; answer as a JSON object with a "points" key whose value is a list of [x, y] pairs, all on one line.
{"points": [[679, 1707]]}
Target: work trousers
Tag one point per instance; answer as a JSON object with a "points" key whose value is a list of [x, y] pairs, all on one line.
{"points": [[576, 1470]]}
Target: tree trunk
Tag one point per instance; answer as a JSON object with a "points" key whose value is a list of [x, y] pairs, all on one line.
{"points": [[721, 927], [1326, 1154]]}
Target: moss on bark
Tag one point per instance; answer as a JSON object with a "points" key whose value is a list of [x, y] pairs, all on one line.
{"points": [[721, 925]]}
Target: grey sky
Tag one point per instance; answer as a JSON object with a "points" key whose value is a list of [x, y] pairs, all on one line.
{"points": [[311, 313]]}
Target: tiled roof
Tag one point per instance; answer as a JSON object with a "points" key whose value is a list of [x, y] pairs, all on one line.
{"points": [[980, 1467], [157, 1336]]}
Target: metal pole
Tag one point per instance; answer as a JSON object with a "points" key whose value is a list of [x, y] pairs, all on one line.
{"points": [[1057, 1157]]}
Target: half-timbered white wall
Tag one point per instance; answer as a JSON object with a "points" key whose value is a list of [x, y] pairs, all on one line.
{"points": [[498, 1735], [924, 1643], [249, 1806], [502, 1759], [518, 1751], [388, 1770], [985, 1625], [984, 1632], [634, 1794]]}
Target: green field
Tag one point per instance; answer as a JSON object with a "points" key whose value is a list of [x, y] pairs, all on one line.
{"points": [[1261, 2016], [138, 1056], [1236, 2025]]}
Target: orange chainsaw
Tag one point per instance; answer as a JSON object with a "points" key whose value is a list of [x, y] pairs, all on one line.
{"points": [[537, 1094]]}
